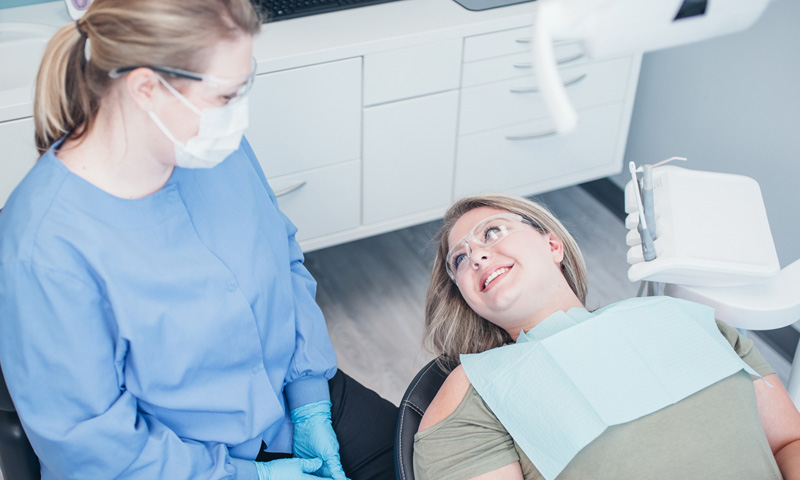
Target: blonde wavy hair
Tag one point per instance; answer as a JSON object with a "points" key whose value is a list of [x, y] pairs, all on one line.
{"points": [[73, 77], [451, 326]]}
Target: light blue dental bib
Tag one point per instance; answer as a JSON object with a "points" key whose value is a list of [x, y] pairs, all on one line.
{"points": [[577, 373]]}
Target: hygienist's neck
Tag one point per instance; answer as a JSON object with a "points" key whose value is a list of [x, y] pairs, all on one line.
{"points": [[118, 156]]}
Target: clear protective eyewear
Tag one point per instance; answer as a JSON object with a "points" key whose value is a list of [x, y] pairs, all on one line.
{"points": [[488, 233], [242, 84]]}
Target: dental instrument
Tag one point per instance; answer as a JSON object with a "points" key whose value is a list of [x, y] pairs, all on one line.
{"points": [[648, 248], [647, 194], [647, 200]]}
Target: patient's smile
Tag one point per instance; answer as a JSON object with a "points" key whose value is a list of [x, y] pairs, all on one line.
{"points": [[493, 276]]}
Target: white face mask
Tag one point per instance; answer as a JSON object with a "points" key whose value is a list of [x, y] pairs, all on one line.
{"points": [[220, 132]]}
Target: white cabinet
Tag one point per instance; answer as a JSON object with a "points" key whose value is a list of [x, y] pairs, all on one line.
{"points": [[496, 44], [409, 145], [377, 118], [517, 100], [527, 158], [515, 65], [411, 72], [19, 154], [506, 140], [306, 132], [321, 201], [306, 117], [409, 152]]}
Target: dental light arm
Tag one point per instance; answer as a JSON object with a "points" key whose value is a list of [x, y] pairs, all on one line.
{"points": [[608, 28]]}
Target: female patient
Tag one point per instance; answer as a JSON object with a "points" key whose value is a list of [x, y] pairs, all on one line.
{"points": [[507, 272]]}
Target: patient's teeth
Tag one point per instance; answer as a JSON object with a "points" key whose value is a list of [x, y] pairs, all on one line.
{"points": [[494, 275]]}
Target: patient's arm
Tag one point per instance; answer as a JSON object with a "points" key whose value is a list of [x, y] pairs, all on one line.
{"points": [[445, 402], [781, 422], [447, 399], [512, 471]]}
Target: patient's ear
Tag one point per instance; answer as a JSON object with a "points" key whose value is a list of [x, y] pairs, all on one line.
{"points": [[556, 247]]}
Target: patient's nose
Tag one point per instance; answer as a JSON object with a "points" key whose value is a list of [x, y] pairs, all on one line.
{"points": [[478, 255]]}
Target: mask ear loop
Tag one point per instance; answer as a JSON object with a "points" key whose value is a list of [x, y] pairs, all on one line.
{"points": [[164, 129], [179, 96]]}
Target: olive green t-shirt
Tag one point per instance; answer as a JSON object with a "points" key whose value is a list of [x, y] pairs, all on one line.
{"points": [[714, 434]]}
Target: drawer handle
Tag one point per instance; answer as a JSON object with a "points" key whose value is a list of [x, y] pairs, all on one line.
{"points": [[536, 89], [530, 136], [288, 190], [524, 40], [577, 56]]}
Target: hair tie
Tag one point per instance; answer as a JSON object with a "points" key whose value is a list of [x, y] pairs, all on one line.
{"points": [[81, 31]]}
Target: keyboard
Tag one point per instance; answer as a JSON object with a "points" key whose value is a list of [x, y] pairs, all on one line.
{"points": [[286, 9]]}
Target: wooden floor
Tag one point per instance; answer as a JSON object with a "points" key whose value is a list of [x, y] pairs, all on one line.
{"points": [[372, 291]]}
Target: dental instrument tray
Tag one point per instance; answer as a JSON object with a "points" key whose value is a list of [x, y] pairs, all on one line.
{"points": [[285, 9], [711, 230]]}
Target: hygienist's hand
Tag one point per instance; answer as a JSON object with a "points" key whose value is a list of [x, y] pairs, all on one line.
{"points": [[289, 469], [314, 438]]}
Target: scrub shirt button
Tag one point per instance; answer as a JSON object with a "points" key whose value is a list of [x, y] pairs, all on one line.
{"points": [[257, 369], [232, 287], [172, 197]]}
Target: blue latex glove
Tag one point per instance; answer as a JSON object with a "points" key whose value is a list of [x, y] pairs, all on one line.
{"points": [[314, 438], [289, 469]]}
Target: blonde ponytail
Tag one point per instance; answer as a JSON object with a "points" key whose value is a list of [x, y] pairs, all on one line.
{"points": [[63, 103], [70, 87]]}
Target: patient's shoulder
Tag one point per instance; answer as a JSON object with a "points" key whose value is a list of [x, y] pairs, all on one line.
{"points": [[447, 399]]}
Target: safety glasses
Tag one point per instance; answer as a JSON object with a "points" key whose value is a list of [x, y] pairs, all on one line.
{"points": [[488, 233], [242, 84]]}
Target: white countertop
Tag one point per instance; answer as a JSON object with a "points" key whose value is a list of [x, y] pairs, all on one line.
{"points": [[318, 38]]}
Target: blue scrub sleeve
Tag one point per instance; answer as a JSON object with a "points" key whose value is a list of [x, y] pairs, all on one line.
{"points": [[314, 360], [245, 469], [63, 363]]}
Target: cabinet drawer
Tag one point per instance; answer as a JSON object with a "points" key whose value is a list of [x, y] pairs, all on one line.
{"points": [[516, 65], [307, 117], [518, 100], [490, 161], [411, 72], [19, 154], [321, 201], [409, 153], [495, 44]]}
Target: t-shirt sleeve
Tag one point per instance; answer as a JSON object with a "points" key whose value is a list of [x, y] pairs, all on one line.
{"points": [[469, 442], [745, 348]]}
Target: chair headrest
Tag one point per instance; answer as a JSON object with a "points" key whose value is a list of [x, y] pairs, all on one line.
{"points": [[418, 396]]}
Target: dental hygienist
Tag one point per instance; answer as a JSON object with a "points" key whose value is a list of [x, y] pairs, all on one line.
{"points": [[157, 319]]}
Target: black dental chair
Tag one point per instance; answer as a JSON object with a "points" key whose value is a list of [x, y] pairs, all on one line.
{"points": [[415, 401], [17, 460]]}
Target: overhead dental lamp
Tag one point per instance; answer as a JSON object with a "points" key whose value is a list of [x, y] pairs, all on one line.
{"points": [[618, 27]]}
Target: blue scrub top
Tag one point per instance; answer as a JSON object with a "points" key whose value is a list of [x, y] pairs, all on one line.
{"points": [[156, 337]]}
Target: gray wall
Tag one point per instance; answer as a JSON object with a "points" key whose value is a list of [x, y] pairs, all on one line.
{"points": [[730, 104]]}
